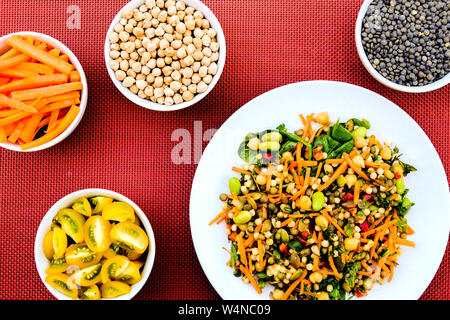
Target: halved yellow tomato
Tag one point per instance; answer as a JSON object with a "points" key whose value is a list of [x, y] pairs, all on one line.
{"points": [[99, 203], [63, 284], [114, 289], [59, 243], [72, 223], [113, 267], [96, 230], [90, 293], [83, 206], [131, 274], [139, 263], [48, 245], [88, 276], [118, 211], [57, 266], [133, 255], [129, 236], [113, 250], [80, 255]]}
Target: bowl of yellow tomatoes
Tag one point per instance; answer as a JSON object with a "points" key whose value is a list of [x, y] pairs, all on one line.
{"points": [[94, 244]]}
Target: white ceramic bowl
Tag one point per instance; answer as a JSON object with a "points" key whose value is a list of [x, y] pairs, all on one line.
{"points": [[362, 55], [148, 103], [42, 263], [52, 42]]}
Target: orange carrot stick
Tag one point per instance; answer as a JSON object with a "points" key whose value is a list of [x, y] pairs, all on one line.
{"points": [[13, 103], [52, 121], [60, 128], [3, 137], [16, 133], [17, 74], [35, 82], [31, 125], [9, 54], [74, 76], [35, 67], [39, 54], [11, 62], [46, 91], [57, 105]]}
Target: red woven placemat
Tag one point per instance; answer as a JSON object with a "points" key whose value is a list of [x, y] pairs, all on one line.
{"points": [[125, 148]]}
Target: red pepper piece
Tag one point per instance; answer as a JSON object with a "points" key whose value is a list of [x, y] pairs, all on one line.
{"points": [[368, 197], [283, 248], [347, 197], [397, 176], [364, 226]]}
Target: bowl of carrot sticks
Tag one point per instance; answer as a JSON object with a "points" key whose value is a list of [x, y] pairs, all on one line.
{"points": [[43, 91]]}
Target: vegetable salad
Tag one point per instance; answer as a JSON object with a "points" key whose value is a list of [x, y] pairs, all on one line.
{"points": [[319, 213]]}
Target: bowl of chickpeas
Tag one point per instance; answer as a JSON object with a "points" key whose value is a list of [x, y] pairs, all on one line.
{"points": [[165, 55]]}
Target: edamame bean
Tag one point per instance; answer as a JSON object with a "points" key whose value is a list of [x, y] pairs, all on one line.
{"points": [[284, 236], [269, 146], [272, 136], [341, 181], [359, 132], [400, 184], [235, 185], [242, 217], [318, 201]]}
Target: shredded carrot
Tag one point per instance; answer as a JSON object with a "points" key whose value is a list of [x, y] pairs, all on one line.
{"points": [[294, 285], [405, 242], [252, 280], [333, 221], [340, 170], [221, 214], [354, 166], [39, 68], [334, 161], [11, 62], [241, 249], [382, 227], [371, 140], [242, 171], [14, 73], [333, 267], [356, 193]]}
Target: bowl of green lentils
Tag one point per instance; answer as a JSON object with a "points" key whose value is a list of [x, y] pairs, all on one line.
{"points": [[405, 44]]}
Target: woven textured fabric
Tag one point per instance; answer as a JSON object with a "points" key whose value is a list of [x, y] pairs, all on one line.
{"points": [[126, 148]]}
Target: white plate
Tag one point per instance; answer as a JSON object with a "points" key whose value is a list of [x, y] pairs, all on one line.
{"points": [[429, 188]]}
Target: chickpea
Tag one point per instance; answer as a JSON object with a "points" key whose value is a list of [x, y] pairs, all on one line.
{"points": [[315, 277], [120, 75], [188, 96], [213, 68], [351, 244], [128, 82], [398, 169], [322, 221], [114, 37], [386, 153], [202, 87], [177, 98], [305, 203]]}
